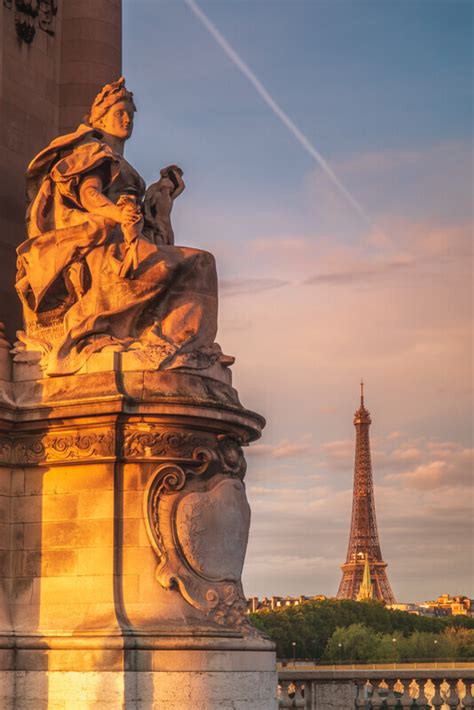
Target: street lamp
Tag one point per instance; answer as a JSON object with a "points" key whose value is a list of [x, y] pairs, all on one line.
{"points": [[293, 643], [340, 652], [394, 641], [314, 651], [436, 652]]}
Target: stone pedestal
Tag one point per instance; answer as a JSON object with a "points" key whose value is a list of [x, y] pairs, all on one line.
{"points": [[124, 524]]}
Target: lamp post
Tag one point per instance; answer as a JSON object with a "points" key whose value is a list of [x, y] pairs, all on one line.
{"points": [[293, 643], [436, 652], [394, 641], [340, 652], [314, 651]]}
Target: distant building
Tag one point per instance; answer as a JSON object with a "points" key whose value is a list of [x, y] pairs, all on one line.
{"points": [[254, 604], [445, 605]]}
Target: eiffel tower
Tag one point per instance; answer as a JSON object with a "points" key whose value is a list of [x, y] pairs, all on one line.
{"points": [[364, 545]]}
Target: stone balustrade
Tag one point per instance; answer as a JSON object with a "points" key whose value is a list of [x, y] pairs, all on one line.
{"points": [[388, 689]]}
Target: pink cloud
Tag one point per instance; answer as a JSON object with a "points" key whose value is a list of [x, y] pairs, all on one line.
{"points": [[283, 449]]}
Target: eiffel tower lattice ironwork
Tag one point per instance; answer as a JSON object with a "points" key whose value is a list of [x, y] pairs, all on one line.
{"points": [[364, 542]]}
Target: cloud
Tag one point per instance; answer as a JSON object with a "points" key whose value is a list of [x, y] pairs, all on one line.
{"points": [[450, 472], [284, 449], [234, 287], [432, 183], [366, 273], [408, 454], [338, 455]]}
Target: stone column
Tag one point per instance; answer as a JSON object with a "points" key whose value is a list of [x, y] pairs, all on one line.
{"points": [[132, 524], [91, 55]]}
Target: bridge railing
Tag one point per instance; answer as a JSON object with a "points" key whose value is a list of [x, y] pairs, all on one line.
{"points": [[366, 689]]}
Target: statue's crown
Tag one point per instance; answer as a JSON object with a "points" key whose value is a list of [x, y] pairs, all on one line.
{"points": [[109, 95]]}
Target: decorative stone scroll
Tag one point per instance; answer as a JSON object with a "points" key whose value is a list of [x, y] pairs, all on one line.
{"points": [[153, 442], [197, 519], [57, 448]]}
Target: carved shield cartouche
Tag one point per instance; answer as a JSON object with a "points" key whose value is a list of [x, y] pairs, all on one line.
{"points": [[197, 519], [212, 529]]}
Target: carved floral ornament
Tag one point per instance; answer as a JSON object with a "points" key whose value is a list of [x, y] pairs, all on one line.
{"points": [[197, 518], [33, 14], [57, 448]]}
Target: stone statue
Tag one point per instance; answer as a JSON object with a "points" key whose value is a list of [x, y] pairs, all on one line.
{"points": [[158, 204], [99, 269]]}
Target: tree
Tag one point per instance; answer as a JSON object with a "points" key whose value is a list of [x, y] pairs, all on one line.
{"points": [[312, 625]]}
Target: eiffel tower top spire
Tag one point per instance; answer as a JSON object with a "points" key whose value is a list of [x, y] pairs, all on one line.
{"points": [[362, 415], [364, 542]]}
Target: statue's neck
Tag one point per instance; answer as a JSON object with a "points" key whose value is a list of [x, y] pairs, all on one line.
{"points": [[117, 144]]}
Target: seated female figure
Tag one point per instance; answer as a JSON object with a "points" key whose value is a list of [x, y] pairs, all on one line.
{"points": [[89, 275]]}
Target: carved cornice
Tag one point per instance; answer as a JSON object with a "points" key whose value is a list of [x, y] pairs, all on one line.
{"points": [[127, 442]]}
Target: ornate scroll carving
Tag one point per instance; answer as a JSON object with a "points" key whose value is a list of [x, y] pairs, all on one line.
{"points": [[30, 14], [155, 442], [62, 447], [197, 518]]}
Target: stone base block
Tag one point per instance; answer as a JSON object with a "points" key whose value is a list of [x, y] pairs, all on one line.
{"points": [[138, 690]]}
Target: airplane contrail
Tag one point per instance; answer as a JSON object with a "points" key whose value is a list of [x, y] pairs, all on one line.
{"points": [[277, 110]]}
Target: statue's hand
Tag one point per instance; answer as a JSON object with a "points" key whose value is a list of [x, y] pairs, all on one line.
{"points": [[131, 215]]}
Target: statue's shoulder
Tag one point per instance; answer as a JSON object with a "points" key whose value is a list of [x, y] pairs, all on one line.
{"points": [[84, 140], [82, 157]]}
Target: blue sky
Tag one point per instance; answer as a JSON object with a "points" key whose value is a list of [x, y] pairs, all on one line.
{"points": [[313, 297]]}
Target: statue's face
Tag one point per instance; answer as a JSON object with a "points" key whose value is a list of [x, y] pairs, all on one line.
{"points": [[118, 121]]}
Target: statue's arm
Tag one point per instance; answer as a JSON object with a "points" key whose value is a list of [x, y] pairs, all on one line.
{"points": [[179, 189], [93, 199]]}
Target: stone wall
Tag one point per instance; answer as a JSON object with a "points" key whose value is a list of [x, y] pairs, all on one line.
{"points": [[138, 691]]}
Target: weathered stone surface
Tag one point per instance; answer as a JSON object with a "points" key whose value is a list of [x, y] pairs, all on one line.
{"points": [[179, 690], [212, 528], [335, 695]]}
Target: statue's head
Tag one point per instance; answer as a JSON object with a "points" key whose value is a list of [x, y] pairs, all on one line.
{"points": [[112, 110]]}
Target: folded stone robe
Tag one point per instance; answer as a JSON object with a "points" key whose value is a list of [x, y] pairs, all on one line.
{"points": [[166, 305]]}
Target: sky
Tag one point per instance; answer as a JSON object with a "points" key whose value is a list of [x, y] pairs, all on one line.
{"points": [[324, 281]]}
